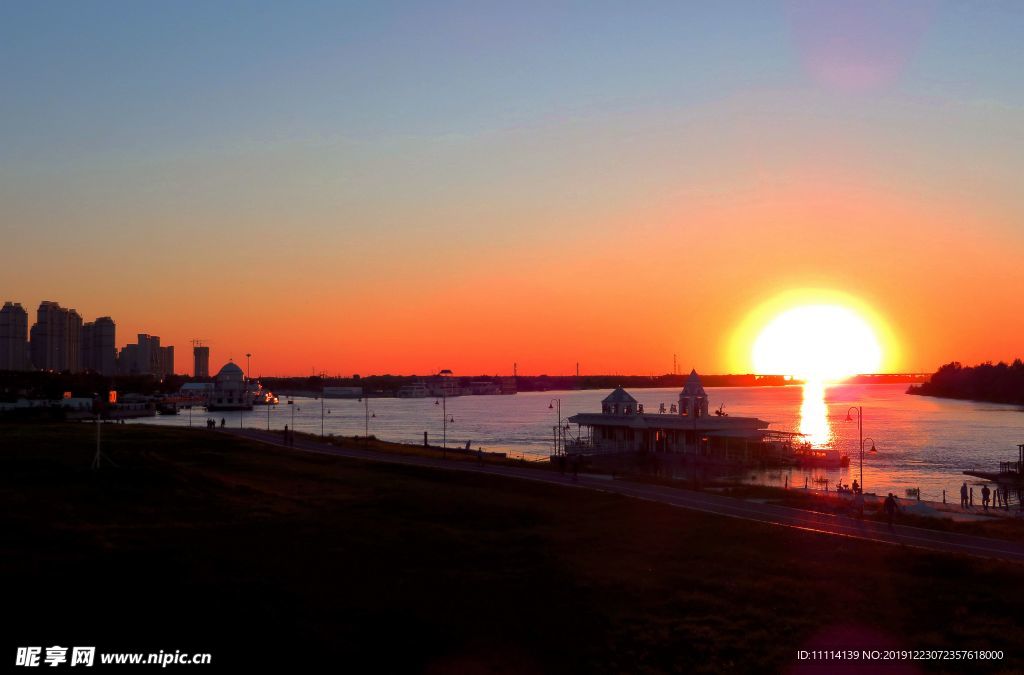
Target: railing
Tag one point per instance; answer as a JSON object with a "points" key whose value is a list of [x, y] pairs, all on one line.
{"points": [[1009, 467]]}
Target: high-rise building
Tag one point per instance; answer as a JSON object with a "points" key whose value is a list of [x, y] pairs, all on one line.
{"points": [[105, 345], [72, 342], [46, 336], [128, 360], [200, 361], [85, 348], [13, 337], [146, 357], [166, 361], [99, 346], [56, 338]]}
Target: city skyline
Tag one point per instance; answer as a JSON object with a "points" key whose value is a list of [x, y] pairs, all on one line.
{"points": [[541, 184]]}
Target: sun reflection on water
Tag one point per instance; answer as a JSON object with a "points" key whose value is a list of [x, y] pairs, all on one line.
{"points": [[814, 423]]}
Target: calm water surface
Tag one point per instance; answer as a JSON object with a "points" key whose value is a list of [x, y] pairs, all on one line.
{"points": [[922, 442]]}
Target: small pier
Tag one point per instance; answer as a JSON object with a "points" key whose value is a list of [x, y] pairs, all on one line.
{"points": [[1009, 472]]}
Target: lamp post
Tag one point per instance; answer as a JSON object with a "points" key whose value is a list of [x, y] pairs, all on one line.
{"points": [[556, 405], [366, 418], [99, 453], [861, 439], [444, 421]]}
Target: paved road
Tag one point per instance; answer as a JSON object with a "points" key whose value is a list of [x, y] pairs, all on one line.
{"points": [[696, 501]]}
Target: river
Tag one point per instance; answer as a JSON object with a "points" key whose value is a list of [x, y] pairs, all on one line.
{"points": [[921, 442]]}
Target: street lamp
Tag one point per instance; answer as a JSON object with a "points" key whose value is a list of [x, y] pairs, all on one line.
{"points": [[444, 420], [366, 418], [860, 435], [556, 405], [443, 404]]}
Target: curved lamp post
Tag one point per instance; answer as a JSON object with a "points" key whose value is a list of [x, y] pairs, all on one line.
{"points": [[556, 405], [366, 428], [860, 436], [444, 421]]}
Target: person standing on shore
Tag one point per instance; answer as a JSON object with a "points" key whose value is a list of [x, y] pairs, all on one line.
{"points": [[985, 492], [963, 495]]}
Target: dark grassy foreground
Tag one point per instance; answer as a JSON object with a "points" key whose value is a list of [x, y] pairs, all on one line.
{"points": [[201, 542]]}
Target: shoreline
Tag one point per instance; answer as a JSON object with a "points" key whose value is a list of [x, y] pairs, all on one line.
{"points": [[921, 511]]}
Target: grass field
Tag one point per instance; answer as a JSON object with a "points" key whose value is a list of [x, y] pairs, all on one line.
{"points": [[200, 542]]}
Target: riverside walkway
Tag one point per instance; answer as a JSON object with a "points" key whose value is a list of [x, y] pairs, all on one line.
{"points": [[822, 523]]}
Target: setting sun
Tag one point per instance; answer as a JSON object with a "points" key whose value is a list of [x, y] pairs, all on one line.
{"points": [[822, 343], [815, 335]]}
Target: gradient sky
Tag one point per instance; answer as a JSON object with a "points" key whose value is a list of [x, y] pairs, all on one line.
{"points": [[403, 187]]}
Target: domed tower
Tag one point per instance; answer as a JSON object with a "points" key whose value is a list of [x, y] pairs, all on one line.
{"points": [[230, 374], [693, 400], [619, 402], [230, 390]]}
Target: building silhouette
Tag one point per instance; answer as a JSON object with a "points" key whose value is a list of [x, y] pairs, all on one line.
{"points": [[99, 346], [59, 341], [146, 357], [14, 337], [56, 338], [200, 361], [166, 361]]}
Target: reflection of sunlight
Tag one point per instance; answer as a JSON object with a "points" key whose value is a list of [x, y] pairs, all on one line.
{"points": [[814, 415]]}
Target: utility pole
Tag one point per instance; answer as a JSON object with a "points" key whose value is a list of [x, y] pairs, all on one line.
{"points": [[99, 453]]}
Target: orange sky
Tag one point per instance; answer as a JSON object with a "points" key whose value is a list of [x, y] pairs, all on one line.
{"points": [[609, 214]]}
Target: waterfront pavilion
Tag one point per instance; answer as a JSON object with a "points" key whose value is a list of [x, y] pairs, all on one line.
{"points": [[623, 426]]}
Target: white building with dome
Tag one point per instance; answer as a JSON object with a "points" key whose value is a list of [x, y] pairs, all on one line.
{"points": [[230, 390]]}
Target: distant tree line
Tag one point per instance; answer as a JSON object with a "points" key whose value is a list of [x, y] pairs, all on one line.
{"points": [[51, 385], [998, 383]]}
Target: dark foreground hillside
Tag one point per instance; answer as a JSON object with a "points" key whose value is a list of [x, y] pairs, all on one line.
{"points": [[201, 542]]}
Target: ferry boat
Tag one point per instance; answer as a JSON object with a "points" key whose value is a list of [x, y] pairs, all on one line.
{"points": [[820, 457], [261, 396], [416, 389]]}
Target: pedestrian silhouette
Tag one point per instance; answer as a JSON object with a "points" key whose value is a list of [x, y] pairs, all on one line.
{"points": [[890, 507], [963, 495], [223, 421], [985, 492]]}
